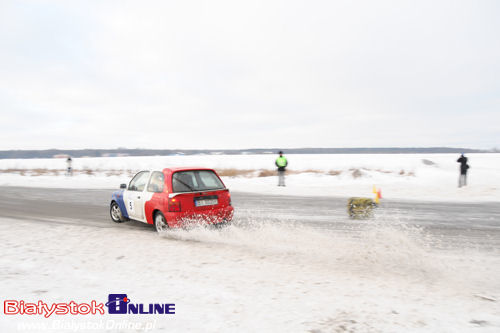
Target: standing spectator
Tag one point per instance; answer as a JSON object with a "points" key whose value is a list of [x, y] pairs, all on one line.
{"points": [[462, 180], [69, 170], [281, 163]]}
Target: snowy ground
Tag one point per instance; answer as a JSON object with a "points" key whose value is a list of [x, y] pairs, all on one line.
{"points": [[267, 272], [254, 277], [427, 177]]}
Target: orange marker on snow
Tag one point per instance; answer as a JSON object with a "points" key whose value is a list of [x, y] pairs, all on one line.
{"points": [[378, 194]]}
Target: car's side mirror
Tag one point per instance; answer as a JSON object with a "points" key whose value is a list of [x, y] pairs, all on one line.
{"points": [[123, 186]]}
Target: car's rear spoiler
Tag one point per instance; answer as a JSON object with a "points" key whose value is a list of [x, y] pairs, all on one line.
{"points": [[172, 195]]}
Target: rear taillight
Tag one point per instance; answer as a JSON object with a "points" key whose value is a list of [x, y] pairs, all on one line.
{"points": [[174, 205], [229, 196]]}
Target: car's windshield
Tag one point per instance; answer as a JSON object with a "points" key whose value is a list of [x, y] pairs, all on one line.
{"points": [[195, 180]]}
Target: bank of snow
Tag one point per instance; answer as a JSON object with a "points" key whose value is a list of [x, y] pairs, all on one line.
{"points": [[254, 278], [400, 176]]}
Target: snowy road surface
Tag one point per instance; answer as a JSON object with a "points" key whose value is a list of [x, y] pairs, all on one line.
{"points": [[473, 223], [288, 264]]}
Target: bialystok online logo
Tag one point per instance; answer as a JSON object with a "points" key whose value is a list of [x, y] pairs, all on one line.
{"points": [[117, 304], [120, 303]]}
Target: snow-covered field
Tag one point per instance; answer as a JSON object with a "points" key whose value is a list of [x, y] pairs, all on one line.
{"points": [[399, 176], [263, 273], [257, 278]]}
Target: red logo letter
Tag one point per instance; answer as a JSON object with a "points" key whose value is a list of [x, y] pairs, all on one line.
{"points": [[10, 307]]}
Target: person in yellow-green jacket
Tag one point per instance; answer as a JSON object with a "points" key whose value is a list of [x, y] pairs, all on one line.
{"points": [[281, 163]]}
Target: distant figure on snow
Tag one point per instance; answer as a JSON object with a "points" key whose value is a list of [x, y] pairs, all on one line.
{"points": [[462, 180], [69, 170], [281, 163]]}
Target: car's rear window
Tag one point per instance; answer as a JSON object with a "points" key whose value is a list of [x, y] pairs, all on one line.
{"points": [[195, 180]]}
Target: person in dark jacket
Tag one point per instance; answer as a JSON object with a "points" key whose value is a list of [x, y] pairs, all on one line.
{"points": [[69, 169], [281, 163], [462, 180]]}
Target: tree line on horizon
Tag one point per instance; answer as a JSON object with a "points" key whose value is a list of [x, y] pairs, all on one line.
{"points": [[50, 153]]}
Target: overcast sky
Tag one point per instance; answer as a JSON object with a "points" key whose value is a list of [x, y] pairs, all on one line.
{"points": [[248, 74]]}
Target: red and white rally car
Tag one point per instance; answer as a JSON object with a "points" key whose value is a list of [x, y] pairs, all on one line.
{"points": [[173, 197]]}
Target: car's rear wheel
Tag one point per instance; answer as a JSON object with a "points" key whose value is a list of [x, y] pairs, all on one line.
{"points": [[116, 213], [160, 223]]}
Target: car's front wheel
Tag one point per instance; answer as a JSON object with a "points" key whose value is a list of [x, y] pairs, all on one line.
{"points": [[160, 223], [116, 213]]}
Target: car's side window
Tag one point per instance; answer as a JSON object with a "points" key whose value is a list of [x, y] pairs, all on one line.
{"points": [[138, 183], [156, 182]]}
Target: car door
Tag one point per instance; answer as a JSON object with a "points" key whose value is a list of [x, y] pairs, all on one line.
{"points": [[134, 196]]}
